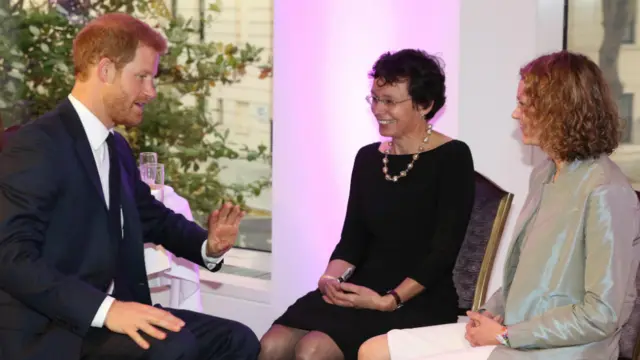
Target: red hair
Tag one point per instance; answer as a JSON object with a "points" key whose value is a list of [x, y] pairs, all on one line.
{"points": [[115, 36], [570, 106]]}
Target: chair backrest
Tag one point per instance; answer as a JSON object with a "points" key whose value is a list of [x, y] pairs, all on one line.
{"points": [[1, 133], [629, 339], [5, 133], [475, 260], [11, 129]]}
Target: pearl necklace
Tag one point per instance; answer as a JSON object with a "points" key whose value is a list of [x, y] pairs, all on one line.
{"points": [[385, 160]]}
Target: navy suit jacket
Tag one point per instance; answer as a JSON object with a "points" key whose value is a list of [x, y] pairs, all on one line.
{"points": [[57, 256]]}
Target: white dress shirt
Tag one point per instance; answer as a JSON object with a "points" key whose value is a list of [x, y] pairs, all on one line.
{"points": [[97, 134]]}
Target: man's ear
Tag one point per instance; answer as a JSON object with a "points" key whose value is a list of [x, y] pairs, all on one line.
{"points": [[106, 71]]}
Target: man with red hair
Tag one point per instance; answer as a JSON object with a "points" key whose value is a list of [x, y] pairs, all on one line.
{"points": [[74, 215]]}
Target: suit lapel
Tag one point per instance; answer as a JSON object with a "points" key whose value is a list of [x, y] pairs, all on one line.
{"points": [[130, 224], [71, 120], [133, 254], [126, 200], [86, 158], [529, 208]]}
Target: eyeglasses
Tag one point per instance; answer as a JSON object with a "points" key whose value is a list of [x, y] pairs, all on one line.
{"points": [[372, 99]]}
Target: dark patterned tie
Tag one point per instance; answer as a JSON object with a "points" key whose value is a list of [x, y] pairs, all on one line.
{"points": [[130, 281], [120, 290]]}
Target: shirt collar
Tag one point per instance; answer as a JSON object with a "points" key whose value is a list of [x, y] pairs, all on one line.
{"points": [[94, 128]]}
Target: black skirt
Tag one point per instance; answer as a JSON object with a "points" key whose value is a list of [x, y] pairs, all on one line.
{"points": [[349, 327]]}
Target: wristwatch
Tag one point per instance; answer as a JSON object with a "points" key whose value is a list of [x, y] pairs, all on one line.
{"points": [[396, 297], [503, 337]]}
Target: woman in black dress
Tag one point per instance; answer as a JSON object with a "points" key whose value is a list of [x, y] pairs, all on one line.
{"points": [[408, 210]]}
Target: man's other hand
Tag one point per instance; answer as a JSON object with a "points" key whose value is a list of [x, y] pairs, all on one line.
{"points": [[130, 317]]}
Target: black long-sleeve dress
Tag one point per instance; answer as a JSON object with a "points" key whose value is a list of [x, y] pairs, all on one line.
{"points": [[411, 228]]}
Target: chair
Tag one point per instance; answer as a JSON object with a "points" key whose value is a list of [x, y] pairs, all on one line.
{"points": [[6, 133], [478, 251], [629, 339], [11, 129]]}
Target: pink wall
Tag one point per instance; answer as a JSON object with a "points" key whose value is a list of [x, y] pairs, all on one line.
{"points": [[323, 52]]}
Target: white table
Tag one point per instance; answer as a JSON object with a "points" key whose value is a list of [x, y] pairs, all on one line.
{"points": [[166, 269]]}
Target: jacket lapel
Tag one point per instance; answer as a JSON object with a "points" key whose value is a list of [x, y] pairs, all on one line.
{"points": [[571, 177], [71, 120], [539, 177], [130, 223], [126, 196]]}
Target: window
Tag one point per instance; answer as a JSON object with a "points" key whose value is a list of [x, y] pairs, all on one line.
{"points": [[626, 115], [201, 19], [588, 24], [241, 124], [241, 109], [629, 34], [220, 110]]}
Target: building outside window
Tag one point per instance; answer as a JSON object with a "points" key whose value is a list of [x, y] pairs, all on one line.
{"points": [[605, 30]]}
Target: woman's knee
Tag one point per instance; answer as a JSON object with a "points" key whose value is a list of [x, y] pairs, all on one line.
{"points": [[317, 345], [376, 348], [279, 342]]}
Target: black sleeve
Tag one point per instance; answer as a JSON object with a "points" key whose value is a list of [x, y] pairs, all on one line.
{"points": [[162, 226], [29, 186], [456, 191], [353, 239]]}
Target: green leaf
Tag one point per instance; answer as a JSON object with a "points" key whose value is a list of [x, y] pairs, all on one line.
{"points": [[215, 7], [34, 31], [17, 65], [36, 56]]}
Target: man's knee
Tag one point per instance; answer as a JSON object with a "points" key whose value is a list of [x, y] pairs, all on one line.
{"points": [[243, 340], [180, 345]]}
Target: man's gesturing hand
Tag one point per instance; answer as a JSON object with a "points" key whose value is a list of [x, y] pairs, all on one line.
{"points": [[130, 317], [223, 229]]}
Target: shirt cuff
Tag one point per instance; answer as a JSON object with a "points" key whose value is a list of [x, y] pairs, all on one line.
{"points": [[103, 310], [209, 261]]}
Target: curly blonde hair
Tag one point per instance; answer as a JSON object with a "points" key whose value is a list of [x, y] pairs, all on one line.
{"points": [[570, 106]]}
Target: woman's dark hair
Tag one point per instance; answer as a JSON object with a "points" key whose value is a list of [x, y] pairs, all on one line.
{"points": [[424, 74]]}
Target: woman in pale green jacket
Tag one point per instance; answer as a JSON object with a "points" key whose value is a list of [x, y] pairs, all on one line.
{"points": [[569, 278]]}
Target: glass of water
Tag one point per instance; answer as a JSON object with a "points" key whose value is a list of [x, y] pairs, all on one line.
{"points": [[153, 175], [148, 158]]}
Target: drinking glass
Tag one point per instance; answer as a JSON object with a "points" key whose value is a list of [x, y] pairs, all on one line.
{"points": [[153, 175], [148, 158]]}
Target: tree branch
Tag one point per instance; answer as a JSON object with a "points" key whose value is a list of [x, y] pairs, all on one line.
{"points": [[19, 5]]}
